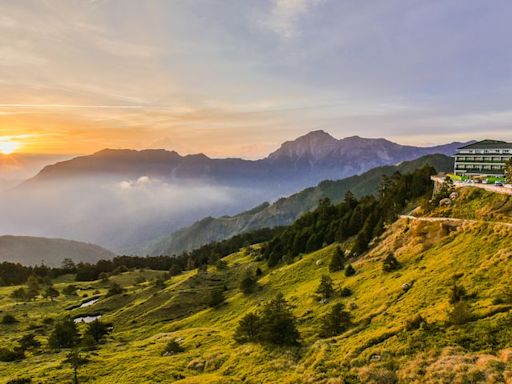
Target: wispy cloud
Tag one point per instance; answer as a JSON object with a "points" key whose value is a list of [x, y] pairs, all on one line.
{"points": [[285, 15], [66, 106]]}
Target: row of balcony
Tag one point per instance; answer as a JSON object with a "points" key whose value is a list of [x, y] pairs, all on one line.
{"points": [[483, 161], [481, 171]]}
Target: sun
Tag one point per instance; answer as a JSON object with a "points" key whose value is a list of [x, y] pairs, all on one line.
{"points": [[7, 147]]}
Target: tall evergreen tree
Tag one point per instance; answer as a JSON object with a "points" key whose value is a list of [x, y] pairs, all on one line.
{"points": [[335, 322], [64, 335], [278, 325], [337, 260], [325, 289]]}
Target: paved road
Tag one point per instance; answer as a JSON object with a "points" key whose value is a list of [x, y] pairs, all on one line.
{"points": [[487, 187], [453, 220]]}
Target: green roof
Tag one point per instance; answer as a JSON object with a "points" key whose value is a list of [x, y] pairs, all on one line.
{"points": [[489, 144]]}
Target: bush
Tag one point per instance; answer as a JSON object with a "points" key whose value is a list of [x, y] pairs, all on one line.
{"points": [[98, 330], [120, 269], [103, 276], [23, 380], [458, 293], [115, 289], [64, 335], [336, 322], [390, 263], [29, 341], [159, 283], [216, 298], [172, 348], [460, 313], [221, 265], [416, 322], [51, 293], [8, 319], [274, 324], [248, 328], [70, 290], [24, 294], [8, 355], [350, 271], [345, 292], [248, 284]]}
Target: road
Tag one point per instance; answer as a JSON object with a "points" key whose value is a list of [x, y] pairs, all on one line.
{"points": [[453, 220], [487, 187]]}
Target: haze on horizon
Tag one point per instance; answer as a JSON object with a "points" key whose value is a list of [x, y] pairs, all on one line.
{"points": [[237, 78]]}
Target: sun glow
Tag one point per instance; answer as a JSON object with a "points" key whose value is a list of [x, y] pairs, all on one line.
{"points": [[7, 147]]}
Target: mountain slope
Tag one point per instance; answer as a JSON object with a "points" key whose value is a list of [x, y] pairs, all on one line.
{"points": [[36, 250], [285, 210], [381, 346]]}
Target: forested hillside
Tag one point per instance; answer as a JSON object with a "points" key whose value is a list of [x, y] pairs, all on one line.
{"points": [[285, 210]]}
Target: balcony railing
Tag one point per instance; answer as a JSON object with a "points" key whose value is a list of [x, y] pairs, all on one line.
{"points": [[481, 171], [486, 161]]}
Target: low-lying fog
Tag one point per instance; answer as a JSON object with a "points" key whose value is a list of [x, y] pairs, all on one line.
{"points": [[119, 214]]}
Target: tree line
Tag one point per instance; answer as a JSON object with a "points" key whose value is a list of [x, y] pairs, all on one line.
{"points": [[363, 219], [16, 274]]}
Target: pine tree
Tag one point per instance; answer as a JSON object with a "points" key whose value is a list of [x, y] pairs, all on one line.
{"points": [[76, 360], [248, 328], [350, 271], [97, 330], [336, 322], [278, 323], [248, 284], [51, 293], [64, 335], [458, 293], [337, 260], [216, 298], [390, 263], [325, 289]]}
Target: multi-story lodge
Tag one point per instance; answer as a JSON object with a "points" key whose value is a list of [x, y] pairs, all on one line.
{"points": [[485, 158]]}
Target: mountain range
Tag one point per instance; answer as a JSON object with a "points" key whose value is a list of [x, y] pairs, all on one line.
{"points": [[121, 198], [300, 163]]}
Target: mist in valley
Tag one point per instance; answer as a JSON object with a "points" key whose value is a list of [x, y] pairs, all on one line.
{"points": [[120, 214]]}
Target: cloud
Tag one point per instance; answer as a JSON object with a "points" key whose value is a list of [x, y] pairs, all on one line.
{"points": [[285, 16], [141, 181]]}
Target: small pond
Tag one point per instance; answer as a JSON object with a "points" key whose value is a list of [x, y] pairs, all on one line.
{"points": [[86, 319], [89, 303]]}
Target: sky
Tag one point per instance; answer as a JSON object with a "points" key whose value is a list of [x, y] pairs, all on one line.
{"points": [[237, 78]]}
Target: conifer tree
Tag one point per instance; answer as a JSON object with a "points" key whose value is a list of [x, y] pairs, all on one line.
{"points": [[337, 260], [325, 289]]}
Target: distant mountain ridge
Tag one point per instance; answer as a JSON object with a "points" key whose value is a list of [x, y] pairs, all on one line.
{"points": [[285, 210], [29, 250], [304, 161]]}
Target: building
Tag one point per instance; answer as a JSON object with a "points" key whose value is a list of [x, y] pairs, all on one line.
{"points": [[486, 158]]}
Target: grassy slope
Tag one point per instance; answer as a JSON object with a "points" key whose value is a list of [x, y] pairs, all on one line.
{"points": [[479, 255], [285, 210]]}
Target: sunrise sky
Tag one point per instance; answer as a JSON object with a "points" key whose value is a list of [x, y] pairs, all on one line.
{"points": [[236, 78]]}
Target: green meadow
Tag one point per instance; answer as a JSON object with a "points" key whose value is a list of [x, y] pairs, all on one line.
{"points": [[383, 344]]}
